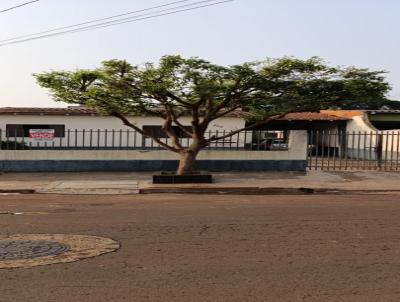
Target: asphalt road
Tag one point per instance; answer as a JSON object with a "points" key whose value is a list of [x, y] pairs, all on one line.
{"points": [[213, 248]]}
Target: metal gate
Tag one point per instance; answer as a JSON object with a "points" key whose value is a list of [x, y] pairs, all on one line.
{"points": [[339, 150]]}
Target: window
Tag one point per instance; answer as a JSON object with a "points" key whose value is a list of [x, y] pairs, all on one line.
{"points": [[157, 131], [21, 130]]}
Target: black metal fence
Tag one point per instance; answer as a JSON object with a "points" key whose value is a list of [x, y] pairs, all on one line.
{"points": [[368, 150], [132, 140]]}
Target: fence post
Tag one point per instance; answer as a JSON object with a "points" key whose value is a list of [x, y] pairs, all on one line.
{"points": [[105, 139], [76, 138], [379, 149], [98, 138], [127, 138], [113, 139]]}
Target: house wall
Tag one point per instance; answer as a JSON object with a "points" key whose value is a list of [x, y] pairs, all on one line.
{"points": [[75, 125], [106, 122], [293, 159], [360, 123], [325, 136], [389, 139]]}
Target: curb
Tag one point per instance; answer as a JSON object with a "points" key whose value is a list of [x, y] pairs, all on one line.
{"points": [[218, 191], [257, 191], [228, 191], [18, 191]]}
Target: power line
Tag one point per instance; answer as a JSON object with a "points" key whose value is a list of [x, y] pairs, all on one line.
{"points": [[18, 6], [158, 14], [92, 21], [118, 21]]}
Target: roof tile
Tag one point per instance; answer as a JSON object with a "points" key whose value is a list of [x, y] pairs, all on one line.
{"points": [[47, 111], [311, 116]]}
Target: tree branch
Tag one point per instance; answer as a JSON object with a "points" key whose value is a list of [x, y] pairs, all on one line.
{"points": [[171, 133], [216, 116], [198, 131], [176, 121], [210, 112], [178, 99], [228, 97]]}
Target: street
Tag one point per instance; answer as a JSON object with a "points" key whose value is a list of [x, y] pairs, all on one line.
{"points": [[212, 248]]}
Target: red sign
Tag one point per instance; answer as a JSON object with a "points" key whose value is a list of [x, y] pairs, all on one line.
{"points": [[41, 135]]}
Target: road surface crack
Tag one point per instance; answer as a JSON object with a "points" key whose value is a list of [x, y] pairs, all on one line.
{"points": [[204, 229]]}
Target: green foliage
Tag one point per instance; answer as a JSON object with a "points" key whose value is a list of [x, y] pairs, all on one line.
{"points": [[264, 87], [312, 85]]}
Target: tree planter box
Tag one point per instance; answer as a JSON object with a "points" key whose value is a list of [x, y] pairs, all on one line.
{"points": [[172, 178]]}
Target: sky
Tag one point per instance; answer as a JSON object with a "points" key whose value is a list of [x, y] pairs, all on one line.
{"points": [[362, 33]]}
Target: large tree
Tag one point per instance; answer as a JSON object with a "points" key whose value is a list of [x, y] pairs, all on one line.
{"points": [[177, 86]]}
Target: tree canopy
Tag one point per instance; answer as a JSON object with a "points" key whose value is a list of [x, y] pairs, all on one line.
{"points": [[312, 85], [178, 86]]}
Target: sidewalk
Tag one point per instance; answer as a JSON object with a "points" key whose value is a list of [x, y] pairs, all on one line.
{"points": [[71, 183], [234, 183]]}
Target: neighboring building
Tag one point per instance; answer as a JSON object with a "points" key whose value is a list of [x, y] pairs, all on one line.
{"points": [[384, 119]]}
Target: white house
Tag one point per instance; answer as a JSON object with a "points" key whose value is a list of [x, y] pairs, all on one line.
{"points": [[77, 126], [79, 139]]}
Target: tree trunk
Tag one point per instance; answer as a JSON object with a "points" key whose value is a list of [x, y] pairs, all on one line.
{"points": [[186, 162]]}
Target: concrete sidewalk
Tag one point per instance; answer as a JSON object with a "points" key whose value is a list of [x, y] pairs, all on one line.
{"points": [[71, 183], [132, 183]]}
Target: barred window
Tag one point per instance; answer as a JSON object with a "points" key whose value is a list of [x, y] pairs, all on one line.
{"points": [[157, 131]]}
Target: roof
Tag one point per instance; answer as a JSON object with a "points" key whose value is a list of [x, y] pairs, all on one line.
{"points": [[388, 111], [349, 114], [47, 111], [77, 111], [311, 116], [84, 111]]}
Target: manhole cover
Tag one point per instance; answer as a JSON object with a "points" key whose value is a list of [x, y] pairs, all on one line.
{"points": [[43, 249], [26, 249]]}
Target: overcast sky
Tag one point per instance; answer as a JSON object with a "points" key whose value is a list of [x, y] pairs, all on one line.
{"points": [[364, 33]]}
